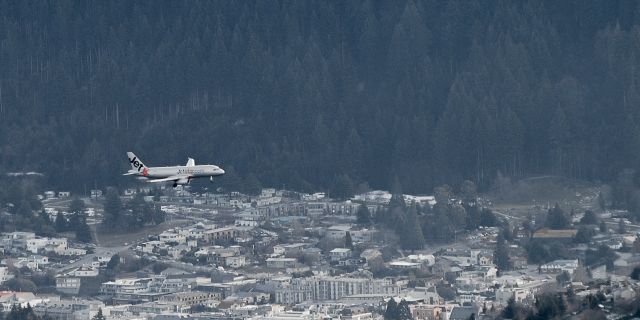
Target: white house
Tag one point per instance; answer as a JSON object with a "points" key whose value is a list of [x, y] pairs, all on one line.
{"points": [[558, 266], [5, 274], [85, 271], [235, 261], [338, 254]]}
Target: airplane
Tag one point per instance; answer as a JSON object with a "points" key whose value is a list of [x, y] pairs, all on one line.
{"points": [[180, 175]]}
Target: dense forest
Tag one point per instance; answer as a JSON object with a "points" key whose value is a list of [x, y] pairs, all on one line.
{"points": [[314, 94]]}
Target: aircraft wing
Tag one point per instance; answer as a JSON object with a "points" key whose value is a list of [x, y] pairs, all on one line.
{"points": [[171, 178]]}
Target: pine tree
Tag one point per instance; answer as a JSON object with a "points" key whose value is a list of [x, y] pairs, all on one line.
{"points": [[348, 242], [113, 262], [509, 312], [501, 255], [61, 222], [556, 219], [411, 237], [404, 312], [363, 216], [83, 232], [392, 312], [603, 227], [99, 315], [77, 206], [622, 227], [112, 208]]}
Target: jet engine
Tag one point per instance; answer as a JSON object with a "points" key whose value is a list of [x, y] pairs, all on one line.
{"points": [[183, 181]]}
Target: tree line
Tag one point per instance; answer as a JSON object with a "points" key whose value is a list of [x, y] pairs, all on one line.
{"points": [[416, 225], [327, 95]]}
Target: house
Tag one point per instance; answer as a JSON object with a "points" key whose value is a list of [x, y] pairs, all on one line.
{"points": [[558, 266], [504, 294], [550, 235], [289, 249], [235, 262], [168, 236], [64, 194], [370, 254], [68, 284], [462, 313], [281, 263], [96, 193], [188, 298], [5, 274], [338, 254], [85, 271], [220, 234], [337, 232], [404, 265], [427, 311]]}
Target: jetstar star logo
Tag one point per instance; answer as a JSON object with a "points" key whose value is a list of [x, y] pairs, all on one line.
{"points": [[145, 171]]}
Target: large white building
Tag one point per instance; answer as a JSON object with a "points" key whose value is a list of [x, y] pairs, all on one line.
{"points": [[333, 288]]}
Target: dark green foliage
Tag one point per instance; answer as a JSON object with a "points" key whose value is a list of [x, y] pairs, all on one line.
{"points": [[488, 218], [404, 312], [603, 227], [99, 315], [425, 91], [509, 312], [584, 235], [539, 252], [61, 223], [113, 262], [342, 187], [17, 312], [391, 312], [447, 292], [411, 237], [77, 206], [593, 300], [557, 219], [550, 305], [635, 274], [159, 267], [363, 216], [622, 228], [589, 218], [563, 278], [397, 311], [602, 255], [112, 209], [501, 255], [83, 232], [19, 284], [348, 242], [133, 215]]}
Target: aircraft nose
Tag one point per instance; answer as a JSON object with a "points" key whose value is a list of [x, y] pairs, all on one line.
{"points": [[221, 171]]}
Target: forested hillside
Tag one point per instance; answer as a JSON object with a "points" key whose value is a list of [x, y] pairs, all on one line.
{"points": [[319, 95]]}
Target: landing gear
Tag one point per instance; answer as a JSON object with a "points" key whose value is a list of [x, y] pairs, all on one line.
{"points": [[211, 179], [175, 184]]}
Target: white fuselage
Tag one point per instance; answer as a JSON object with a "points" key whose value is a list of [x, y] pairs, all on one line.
{"points": [[191, 171], [179, 175]]}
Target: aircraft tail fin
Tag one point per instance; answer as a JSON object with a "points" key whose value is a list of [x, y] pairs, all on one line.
{"points": [[136, 163], [191, 162]]}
